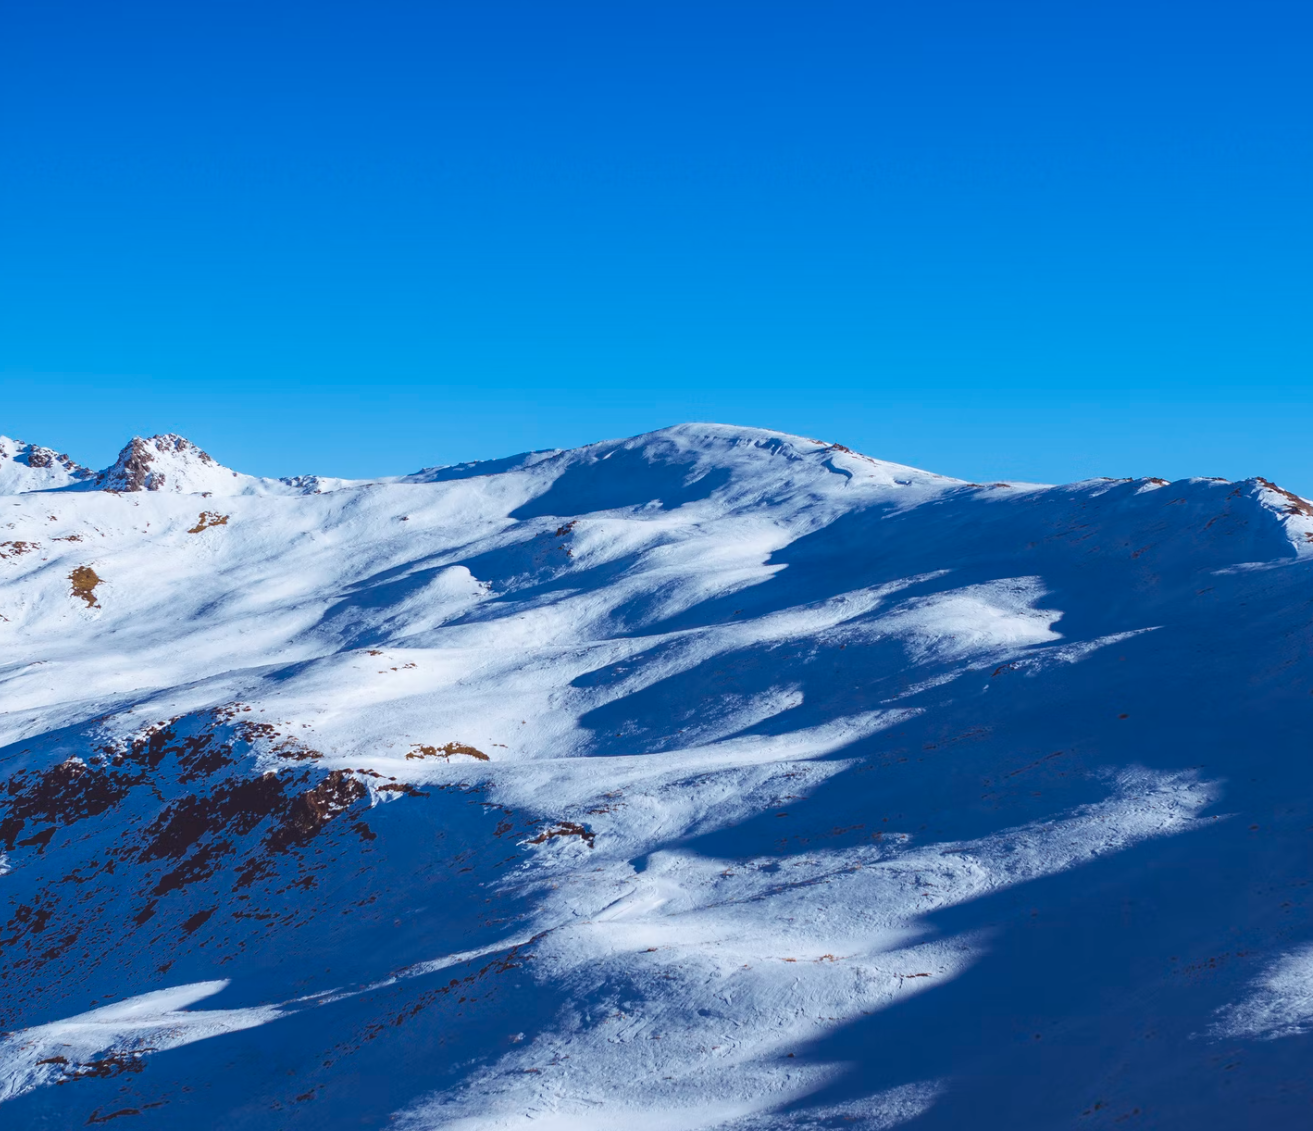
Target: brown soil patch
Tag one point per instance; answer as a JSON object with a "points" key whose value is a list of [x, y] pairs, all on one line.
{"points": [[284, 746], [96, 1117], [235, 806], [565, 828], [208, 519], [201, 865], [101, 1068], [195, 922], [14, 549], [198, 831], [402, 787], [67, 792], [84, 581], [447, 752]]}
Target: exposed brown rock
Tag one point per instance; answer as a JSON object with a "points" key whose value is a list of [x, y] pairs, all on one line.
{"points": [[565, 828], [132, 471], [1294, 504], [84, 581], [207, 520], [236, 807], [316, 807], [447, 752]]}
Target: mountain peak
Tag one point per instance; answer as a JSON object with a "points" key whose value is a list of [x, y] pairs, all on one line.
{"points": [[166, 462], [31, 467]]}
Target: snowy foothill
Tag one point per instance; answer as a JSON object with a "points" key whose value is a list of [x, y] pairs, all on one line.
{"points": [[713, 778]]}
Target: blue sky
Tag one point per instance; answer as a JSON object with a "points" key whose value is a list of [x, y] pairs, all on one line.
{"points": [[1033, 240]]}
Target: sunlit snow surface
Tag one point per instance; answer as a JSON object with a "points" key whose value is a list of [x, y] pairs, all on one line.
{"points": [[714, 778]]}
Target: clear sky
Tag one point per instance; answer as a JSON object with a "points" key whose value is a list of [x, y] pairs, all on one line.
{"points": [[1040, 240]]}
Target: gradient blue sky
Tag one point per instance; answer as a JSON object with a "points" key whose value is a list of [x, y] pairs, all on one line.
{"points": [[1039, 240]]}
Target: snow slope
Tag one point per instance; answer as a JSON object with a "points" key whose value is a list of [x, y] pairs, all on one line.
{"points": [[711, 778]]}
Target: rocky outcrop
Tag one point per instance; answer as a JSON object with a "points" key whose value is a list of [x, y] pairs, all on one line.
{"points": [[31, 467], [142, 464]]}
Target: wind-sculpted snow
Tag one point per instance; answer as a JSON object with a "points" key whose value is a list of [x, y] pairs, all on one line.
{"points": [[712, 778], [1280, 1004]]}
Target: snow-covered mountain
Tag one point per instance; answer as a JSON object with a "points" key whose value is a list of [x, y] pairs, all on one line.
{"points": [[159, 463], [712, 778], [29, 467]]}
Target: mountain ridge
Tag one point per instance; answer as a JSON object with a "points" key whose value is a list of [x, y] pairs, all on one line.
{"points": [[167, 461], [708, 778]]}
